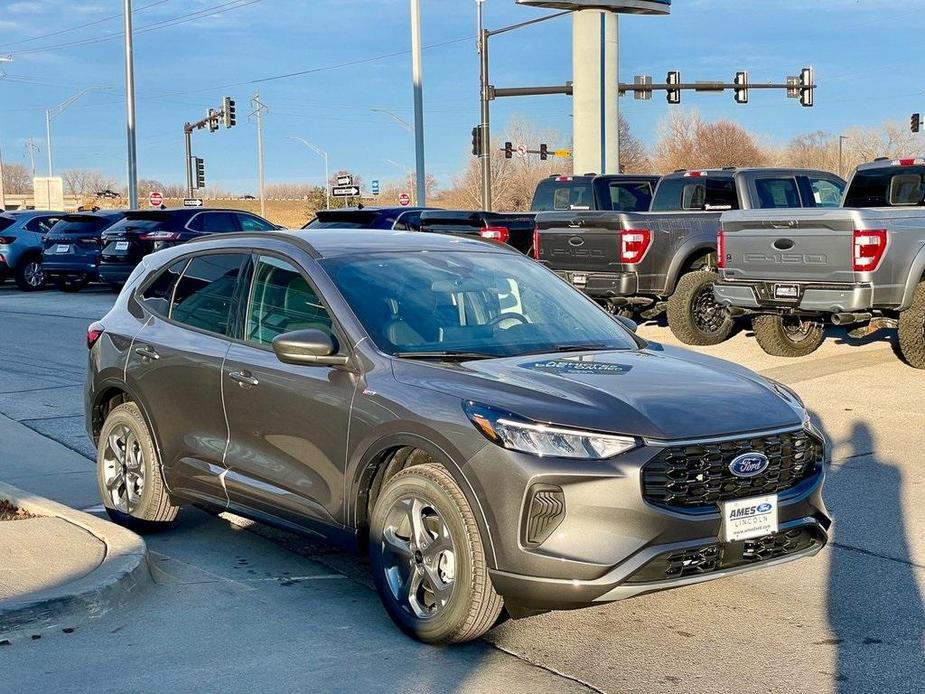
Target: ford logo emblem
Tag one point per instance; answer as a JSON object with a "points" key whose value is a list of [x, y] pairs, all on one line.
{"points": [[576, 241], [749, 464], [763, 508]]}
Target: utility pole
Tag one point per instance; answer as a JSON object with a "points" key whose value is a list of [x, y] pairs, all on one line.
{"points": [[841, 167], [417, 78], [31, 149], [484, 136], [130, 108], [3, 59], [259, 109]]}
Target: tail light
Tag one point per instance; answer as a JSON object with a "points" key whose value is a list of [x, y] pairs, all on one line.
{"points": [[499, 234], [94, 332], [6, 240], [869, 246], [536, 244], [633, 245], [721, 248], [160, 236]]}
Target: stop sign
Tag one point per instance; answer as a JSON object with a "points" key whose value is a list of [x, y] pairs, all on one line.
{"points": [[156, 199], [404, 200]]}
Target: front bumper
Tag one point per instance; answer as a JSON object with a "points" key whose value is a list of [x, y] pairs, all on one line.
{"points": [[611, 543], [602, 285], [811, 297]]}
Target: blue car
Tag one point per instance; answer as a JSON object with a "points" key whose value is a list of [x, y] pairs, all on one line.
{"points": [[71, 258], [21, 241]]}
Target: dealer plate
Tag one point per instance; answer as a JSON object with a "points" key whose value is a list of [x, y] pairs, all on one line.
{"points": [[579, 280], [62, 248], [787, 292], [121, 245], [744, 519]]}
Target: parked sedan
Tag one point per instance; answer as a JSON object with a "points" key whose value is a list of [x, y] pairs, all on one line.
{"points": [[492, 437], [21, 242], [72, 248], [144, 231]]}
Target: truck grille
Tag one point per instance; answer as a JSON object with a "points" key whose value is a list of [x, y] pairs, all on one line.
{"points": [[698, 476]]}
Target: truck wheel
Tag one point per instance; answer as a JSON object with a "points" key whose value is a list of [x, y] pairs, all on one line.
{"points": [[129, 474], [789, 336], [912, 330], [29, 275], [694, 315], [427, 558]]}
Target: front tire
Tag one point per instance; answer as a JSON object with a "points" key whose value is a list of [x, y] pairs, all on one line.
{"points": [[912, 330], [789, 336], [128, 472], [694, 315], [29, 275], [428, 560]]}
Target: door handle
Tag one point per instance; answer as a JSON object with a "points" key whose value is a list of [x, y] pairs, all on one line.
{"points": [[147, 353], [243, 378]]}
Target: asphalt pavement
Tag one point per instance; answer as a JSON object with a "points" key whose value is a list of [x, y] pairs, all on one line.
{"points": [[235, 606]]}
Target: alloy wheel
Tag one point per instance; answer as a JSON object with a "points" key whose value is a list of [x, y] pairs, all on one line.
{"points": [[33, 274], [708, 314], [418, 557], [123, 469]]}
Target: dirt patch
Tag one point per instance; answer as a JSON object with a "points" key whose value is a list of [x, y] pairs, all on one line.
{"points": [[8, 512]]}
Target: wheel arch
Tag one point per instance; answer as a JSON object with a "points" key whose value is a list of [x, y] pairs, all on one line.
{"points": [[915, 276], [692, 255], [109, 395]]}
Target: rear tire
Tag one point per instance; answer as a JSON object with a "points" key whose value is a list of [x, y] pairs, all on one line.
{"points": [[912, 330], [459, 604], [29, 275], [694, 315], [128, 472], [71, 284], [788, 337]]}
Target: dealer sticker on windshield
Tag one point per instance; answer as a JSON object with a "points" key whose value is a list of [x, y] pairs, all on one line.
{"points": [[744, 519]]}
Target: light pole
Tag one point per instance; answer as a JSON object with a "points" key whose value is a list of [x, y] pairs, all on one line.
{"points": [[418, 81], [129, 109], [55, 111], [3, 59], [321, 153], [398, 119]]}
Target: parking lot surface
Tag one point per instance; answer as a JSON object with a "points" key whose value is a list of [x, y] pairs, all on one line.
{"points": [[236, 606]]}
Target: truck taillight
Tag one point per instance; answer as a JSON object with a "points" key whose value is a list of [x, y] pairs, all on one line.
{"points": [[633, 245], [7, 240], [536, 244], [499, 234], [869, 247], [721, 249], [94, 332]]}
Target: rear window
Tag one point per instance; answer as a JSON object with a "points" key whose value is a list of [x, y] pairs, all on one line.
{"points": [[79, 225], [139, 224], [695, 193], [5, 222], [552, 195], [631, 196], [343, 220], [777, 192], [893, 186]]}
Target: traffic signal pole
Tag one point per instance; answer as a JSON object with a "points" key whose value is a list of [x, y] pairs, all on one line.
{"points": [[226, 114], [484, 135], [188, 137]]}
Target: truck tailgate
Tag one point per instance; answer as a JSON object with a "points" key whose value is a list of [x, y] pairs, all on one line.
{"points": [[579, 241], [790, 245]]}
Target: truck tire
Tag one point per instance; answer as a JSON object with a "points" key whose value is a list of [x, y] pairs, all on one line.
{"points": [[912, 330], [694, 315], [788, 337], [428, 560]]}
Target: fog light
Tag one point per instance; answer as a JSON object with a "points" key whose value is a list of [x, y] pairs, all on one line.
{"points": [[545, 510]]}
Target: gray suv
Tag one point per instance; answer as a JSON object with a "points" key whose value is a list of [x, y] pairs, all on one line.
{"points": [[489, 435]]}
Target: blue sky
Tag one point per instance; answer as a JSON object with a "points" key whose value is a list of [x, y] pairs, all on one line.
{"points": [[864, 51]]}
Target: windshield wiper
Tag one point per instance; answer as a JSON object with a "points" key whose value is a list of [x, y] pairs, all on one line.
{"points": [[570, 348], [462, 356]]}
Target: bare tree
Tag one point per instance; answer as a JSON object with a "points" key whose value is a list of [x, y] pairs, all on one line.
{"points": [[634, 158], [86, 183], [16, 179], [686, 141]]}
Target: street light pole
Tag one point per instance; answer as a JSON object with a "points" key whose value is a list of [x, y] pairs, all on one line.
{"points": [[327, 179], [56, 111], [3, 59], [130, 108], [485, 124], [416, 74]]}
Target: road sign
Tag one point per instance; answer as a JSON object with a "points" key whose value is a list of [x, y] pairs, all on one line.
{"points": [[404, 200], [375, 187], [521, 151], [345, 180], [563, 153], [156, 199], [192, 202], [345, 191]]}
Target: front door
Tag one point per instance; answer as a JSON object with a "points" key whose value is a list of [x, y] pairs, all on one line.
{"points": [[287, 423]]}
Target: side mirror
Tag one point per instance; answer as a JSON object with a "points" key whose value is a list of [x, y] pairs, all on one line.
{"points": [[627, 323], [312, 347]]}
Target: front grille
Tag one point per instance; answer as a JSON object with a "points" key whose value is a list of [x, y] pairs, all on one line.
{"points": [[714, 557], [698, 476]]}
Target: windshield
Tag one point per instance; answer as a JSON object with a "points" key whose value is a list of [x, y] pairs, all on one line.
{"points": [[479, 304]]}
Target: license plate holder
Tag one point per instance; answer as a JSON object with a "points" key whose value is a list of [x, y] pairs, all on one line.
{"points": [[121, 245], [62, 248], [786, 291], [746, 519], [580, 280]]}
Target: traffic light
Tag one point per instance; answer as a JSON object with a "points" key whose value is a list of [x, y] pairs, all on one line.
{"points": [[807, 86], [477, 141], [213, 120], [915, 123], [673, 95], [508, 150], [741, 88], [544, 152], [228, 112], [199, 166]]}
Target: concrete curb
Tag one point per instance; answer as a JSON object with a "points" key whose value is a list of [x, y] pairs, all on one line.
{"points": [[122, 574]]}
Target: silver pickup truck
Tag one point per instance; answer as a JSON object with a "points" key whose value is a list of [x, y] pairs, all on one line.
{"points": [[665, 259], [862, 265]]}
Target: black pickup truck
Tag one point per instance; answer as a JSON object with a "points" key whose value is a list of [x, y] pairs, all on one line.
{"points": [[613, 193], [665, 259]]}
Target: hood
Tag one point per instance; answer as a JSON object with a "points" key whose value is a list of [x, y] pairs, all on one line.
{"points": [[658, 392]]}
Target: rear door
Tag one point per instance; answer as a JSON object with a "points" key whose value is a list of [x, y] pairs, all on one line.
{"points": [[176, 364]]}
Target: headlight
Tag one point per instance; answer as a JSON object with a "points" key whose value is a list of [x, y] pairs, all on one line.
{"points": [[518, 434]]}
